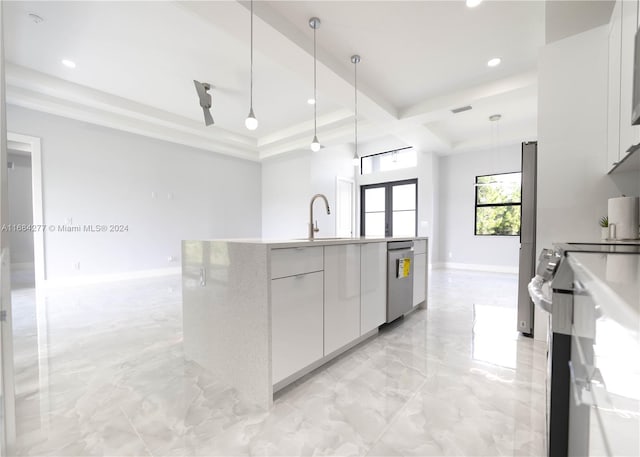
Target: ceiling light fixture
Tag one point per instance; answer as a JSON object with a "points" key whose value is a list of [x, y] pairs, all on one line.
{"points": [[355, 59], [314, 23], [494, 62], [68, 63], [473, 3], [251, 122]]}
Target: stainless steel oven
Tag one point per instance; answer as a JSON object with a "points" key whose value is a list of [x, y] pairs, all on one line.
{"points": [[591, 293]]}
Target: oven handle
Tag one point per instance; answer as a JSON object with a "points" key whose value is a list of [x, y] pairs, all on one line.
{"points": [[536, 294]]}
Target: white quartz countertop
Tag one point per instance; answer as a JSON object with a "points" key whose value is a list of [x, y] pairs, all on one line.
{"points": [[613, 280], [320, 241]]}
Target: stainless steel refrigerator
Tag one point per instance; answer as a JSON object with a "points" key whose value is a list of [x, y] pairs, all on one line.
{"points": [[527, 262]]}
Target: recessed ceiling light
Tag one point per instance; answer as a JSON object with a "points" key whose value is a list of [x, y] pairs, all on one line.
{"points": [[68, 63], [311, 101], [494, 62], [473, 3], [35, 18]]}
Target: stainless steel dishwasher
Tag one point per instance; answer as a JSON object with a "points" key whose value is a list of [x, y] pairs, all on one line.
{"points": [[399, 278]]}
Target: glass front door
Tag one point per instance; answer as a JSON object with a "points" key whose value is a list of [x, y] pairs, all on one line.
{"points": [[389, 209]]}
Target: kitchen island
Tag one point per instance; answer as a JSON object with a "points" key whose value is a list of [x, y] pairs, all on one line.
{"points": [[259, 314]]}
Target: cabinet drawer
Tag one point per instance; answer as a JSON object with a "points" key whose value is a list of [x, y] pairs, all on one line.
{"points": [[296, 323], [419, 246], [295, 261]]}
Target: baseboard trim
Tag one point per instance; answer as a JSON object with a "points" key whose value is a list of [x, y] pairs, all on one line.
{"points": [[113, 277], [22, 266], [478, 267]]}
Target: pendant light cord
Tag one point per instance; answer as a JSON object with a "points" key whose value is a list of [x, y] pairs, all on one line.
{"points": [[315, 90], [251, 84], [355, 81]]}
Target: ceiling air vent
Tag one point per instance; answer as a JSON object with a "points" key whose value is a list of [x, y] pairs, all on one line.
{"points": [[461, 109]]}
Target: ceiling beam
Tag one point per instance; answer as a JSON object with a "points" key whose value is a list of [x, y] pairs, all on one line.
{"points": [[38, 91], [439, 107]]}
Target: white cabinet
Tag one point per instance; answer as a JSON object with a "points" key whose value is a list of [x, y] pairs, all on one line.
{"points": [[296, 323], [613, 90], [373, 286], [419, 272], [622, 30], [629, 134], [419, 278], [293, 261], [341, 295]]}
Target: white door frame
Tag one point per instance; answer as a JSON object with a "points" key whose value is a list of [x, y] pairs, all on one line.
{"points": [[352, 183], [31, 144]]}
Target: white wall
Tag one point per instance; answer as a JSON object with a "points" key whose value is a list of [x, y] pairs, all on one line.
{"points": [[289, 182], [573, 187], [20, 208], [96, 175], [286, 190], [457, 243], [572, 145]]}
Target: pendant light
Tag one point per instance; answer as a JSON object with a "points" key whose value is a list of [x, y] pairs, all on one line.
{"points": [[251, 122], [355, 59], [314, 23]]}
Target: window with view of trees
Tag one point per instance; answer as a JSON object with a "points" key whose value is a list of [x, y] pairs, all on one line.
{"points": [[498, 201]]}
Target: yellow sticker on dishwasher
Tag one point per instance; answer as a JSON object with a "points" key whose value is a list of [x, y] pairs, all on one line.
{"points": [[404, 268]]}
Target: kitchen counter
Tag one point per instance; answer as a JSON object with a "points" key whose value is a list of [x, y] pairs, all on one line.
{"points": [[326, 241], [261, 313], [605, 354]]}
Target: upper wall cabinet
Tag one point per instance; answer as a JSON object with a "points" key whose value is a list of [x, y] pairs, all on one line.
{"points": [[620, 133], [613, 90]]}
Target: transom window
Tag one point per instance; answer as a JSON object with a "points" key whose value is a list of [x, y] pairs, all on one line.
{"points": [[390, 160]]}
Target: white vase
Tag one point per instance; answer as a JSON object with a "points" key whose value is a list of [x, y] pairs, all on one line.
{"points": [[604, 233]]}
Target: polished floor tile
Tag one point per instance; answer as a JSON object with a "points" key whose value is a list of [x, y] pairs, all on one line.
{"points": [[100, 371]]}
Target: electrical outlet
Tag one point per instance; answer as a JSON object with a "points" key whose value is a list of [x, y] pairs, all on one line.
{"points": [[171, 258], [76, 265]]}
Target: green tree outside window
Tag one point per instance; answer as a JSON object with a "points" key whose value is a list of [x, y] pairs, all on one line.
{"points": [[498, 201]]}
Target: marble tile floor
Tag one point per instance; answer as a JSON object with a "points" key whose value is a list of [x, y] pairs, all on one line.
{"points": [[100, 371]]}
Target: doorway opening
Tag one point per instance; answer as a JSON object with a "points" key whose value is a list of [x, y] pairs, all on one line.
{"points": [[24, 163], [389, 209]]}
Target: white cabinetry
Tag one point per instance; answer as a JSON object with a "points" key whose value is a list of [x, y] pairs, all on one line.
{"points": [[341, 295], [620, 133], [629, 134], [613, 90], [419, 272], [373, 286], [296, 309]]}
